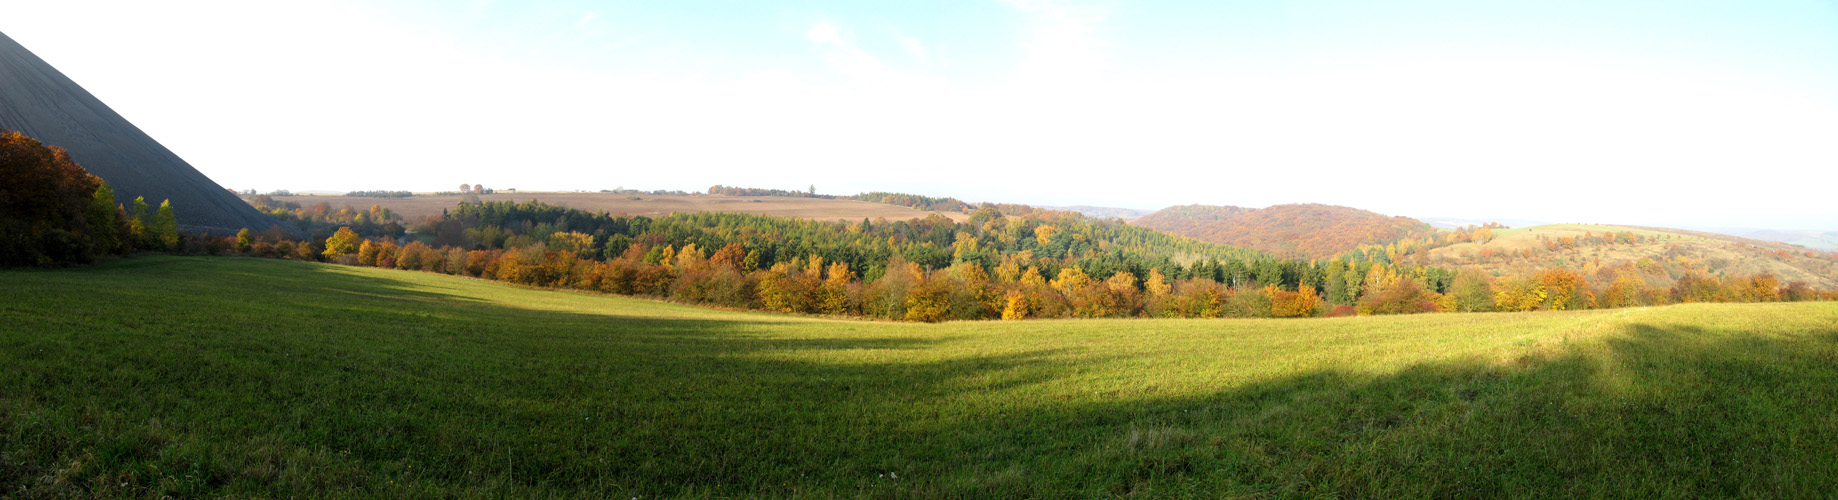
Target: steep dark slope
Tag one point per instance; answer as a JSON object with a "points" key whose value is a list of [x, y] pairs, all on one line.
{"points": [[41, 102], [1304, 230]]}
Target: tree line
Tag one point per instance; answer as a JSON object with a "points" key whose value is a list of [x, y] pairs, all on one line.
{"points": [[53, 212], [1045, 264], [380, 194]]}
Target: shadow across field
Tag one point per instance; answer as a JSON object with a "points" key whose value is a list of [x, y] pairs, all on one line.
{"points": [[330, 386]]}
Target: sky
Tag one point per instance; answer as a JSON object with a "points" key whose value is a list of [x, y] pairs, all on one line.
{"points": [[1677, 112]]}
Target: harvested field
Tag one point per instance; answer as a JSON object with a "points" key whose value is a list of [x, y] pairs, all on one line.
{"points": [[419, 206]]}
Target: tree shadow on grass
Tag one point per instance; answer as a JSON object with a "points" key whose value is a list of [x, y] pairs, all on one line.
{"points": [[306, 393]]}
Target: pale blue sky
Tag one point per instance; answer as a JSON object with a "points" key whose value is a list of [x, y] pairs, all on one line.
{"points": [[1674, 113]]}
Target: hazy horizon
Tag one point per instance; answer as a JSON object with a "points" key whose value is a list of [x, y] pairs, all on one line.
{"points": [[1649, 113]]}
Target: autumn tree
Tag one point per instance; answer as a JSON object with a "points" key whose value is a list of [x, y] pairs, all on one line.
{"points": [[51, 210], [165, 227], [733, 255], [1198, 298], [1297, 304], [1522, 293], [1798, 291], [929, 300], [1404, 296], [342, 243], [1565, 290], [833, 295], [570, 241], [137, 223], [1473, 290], [108, 223], [1625, 291], [1764, 287], [367, 256], [1044, 234], [778, 289], [245, 240]]}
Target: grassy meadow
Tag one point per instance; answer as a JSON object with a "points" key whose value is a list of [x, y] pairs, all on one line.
{"points": [[208, 377]]}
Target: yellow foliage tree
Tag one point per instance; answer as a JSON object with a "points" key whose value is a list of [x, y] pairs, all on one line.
{"points": [[1625, 291], [1044, 233], [342, 243], [1070, 280], [1519, 294], [367, 253], [668, 256], [571, 242], [1121, 282], [1017, 306], [1157, 285], [1295, 304]]}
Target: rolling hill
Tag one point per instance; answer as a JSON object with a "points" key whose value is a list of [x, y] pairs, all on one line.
{"points": [[1665, 254], [416, 207], [233, 377], [1303, 230], [42, 103]]}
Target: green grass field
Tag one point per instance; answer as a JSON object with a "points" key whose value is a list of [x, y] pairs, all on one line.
{"points": [[208, 377]]}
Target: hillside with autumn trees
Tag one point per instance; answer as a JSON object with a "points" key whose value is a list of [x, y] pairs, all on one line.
{"points": [[1311, 230], [1034, 263], [1657, 257]]}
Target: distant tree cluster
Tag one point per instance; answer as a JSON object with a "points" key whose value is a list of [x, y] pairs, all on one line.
{"points": [[915, 201], [740, 191], [470, 189], [320, 220], [53, 212], [380, 194], [654, 192]]}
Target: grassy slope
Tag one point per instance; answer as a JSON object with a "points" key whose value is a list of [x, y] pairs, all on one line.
{"points": [[1722, 253], [198, 376]]}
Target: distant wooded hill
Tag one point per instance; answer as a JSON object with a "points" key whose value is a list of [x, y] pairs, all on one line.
{"points": [[1305, 230], [1661, 255]]}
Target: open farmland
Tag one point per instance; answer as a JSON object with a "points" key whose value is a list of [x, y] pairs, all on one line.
{"points": [[206, 377], [419, 206]]}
